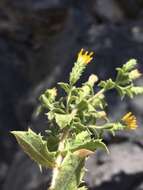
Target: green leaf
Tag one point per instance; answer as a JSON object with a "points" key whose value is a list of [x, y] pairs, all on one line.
{"points": [[69, 173], [63, 120], [77, 126], [58, 110], [84, 141], [47, 99], [35, 147], [137, 90], [91, 145], [122, 77], [45, 102], [52, 142], [84, 91], [99, 101], [107, 85], [129, 65], [65, 86], [83, 105], [120, 91], [129, 90]]}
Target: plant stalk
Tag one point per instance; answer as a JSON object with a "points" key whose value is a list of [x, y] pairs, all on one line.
{"points": [[58, 160]]}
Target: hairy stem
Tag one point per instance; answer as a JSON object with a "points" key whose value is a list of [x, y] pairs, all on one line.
{"points": [[100, 92], [58, 160]]}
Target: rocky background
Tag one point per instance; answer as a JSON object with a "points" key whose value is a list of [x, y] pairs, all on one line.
{"points": [[38, 43]]}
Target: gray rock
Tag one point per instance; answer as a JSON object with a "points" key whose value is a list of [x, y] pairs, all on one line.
{"points": [[26, 175], [108, 10], [131, 8], [122, 169], [137, 102]]}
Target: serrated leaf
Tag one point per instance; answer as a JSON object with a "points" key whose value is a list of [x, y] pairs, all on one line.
{"points": [[91, 145], [64, 86], [84, 141], [35, 147], [63, 120], [107, 85]]}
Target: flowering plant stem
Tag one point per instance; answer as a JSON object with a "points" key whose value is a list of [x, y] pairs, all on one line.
{"points": [[74, 132], [58, 160]]}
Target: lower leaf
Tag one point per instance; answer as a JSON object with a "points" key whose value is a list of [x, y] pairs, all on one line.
{"points": [[35, 147]]}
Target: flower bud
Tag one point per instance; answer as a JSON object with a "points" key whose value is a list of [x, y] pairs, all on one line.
{"points": [[134, 74]]}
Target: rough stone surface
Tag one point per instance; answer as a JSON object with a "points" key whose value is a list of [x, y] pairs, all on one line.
{"points": [[27, 175], [101, 9], [124, 162]]}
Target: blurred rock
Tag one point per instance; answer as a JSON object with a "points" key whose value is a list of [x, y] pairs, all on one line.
{"points": [[122, 169], [37, 30], [25, 175], [131, 8], [107, 11], [35, 4], [137, 102]]}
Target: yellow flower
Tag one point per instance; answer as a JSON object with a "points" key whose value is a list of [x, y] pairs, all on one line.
{"points": [[84, 57], [130, 121]]}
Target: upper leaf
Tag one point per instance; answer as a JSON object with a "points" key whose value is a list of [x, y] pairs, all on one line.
{"points": [[63, 120], [65, 86]]}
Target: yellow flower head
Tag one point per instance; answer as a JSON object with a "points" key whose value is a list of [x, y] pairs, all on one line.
{"points": [[130, 121], [84, 57]]}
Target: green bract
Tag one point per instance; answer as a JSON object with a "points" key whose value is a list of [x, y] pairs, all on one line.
{"points": [[79, 121]]}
